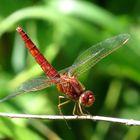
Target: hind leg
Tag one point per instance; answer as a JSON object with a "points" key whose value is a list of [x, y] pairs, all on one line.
{"points": [[62, 103]]}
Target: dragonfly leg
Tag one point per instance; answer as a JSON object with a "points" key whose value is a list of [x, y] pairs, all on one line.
{"points": [[78, 109], [62, 103]]}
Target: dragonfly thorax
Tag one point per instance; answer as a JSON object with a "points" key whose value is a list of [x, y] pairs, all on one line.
{"points": [[70, 86]]}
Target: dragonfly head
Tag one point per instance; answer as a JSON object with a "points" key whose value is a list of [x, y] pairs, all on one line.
{"points": [[87, 98]]}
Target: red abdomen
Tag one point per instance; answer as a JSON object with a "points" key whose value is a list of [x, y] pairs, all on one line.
{"points": [[45, 65]]}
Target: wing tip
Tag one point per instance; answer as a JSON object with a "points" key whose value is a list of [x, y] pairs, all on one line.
{"points": [[125, 37]]}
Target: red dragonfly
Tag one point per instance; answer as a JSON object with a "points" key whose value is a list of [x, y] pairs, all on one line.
{"points": [[66, 81]]}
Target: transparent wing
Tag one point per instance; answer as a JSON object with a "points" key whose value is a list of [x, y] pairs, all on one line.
{"points": [[97, 52], [36, 84], [31, 85]]}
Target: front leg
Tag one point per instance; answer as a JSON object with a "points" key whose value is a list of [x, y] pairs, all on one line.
{"points": [[77, 110]]}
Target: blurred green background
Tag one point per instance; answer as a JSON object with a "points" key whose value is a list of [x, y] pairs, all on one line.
{"points": [[62, 29]]}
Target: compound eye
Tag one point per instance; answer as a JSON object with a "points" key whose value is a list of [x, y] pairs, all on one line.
{"points": [[87, 98]]}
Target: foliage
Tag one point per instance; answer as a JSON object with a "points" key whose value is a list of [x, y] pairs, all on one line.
{"points": [[62, 29]]}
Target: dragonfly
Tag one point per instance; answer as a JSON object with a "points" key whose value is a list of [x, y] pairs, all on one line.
{"points": [[66, 80]]}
